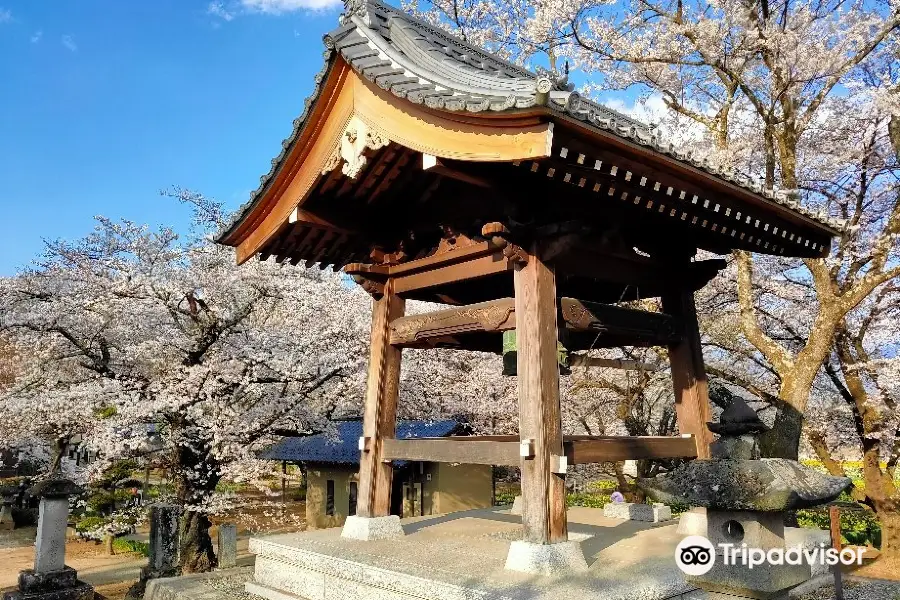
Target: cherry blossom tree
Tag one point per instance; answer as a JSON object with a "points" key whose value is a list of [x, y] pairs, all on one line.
{"points": [[806, 94], [149, 344], [761, 84], [136, 331]]}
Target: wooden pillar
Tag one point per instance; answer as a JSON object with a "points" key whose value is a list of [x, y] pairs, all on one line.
{"points": [[380, 417], [688, 373], [543, 491]]}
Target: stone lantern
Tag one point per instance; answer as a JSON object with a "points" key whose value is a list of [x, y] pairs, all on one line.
{"points": [[7, 500], [746, 498], [51, 579]]}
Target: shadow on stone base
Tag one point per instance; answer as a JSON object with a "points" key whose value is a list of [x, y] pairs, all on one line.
{"points": [[764, 582], [546, 559]]}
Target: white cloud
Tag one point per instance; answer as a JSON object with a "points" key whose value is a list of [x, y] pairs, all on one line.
{"points": [[648, 110], [36, 36], [217, 9], [277, 7], [69, 42], [5, 15]]}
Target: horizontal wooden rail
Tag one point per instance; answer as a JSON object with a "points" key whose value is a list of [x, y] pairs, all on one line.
{"points": [[486, 317], [453, 451], [580, 360], [480, 259], [506, 450], [449, 327], [581, 450]]}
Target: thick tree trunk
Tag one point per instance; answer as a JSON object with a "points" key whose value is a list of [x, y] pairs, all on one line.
{"points": [[197, 475], [889, 515], [197, 555], [783, 440]]}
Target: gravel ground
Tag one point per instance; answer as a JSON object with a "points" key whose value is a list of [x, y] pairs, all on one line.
{"points": [[232, 588], [860, 589]]}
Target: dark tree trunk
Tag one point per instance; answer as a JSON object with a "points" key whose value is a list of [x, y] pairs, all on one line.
{"points": [[197, 555], [889, 515], [783, 440], [197, 474]]}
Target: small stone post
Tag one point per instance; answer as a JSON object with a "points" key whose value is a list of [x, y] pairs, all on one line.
{"points": [[51, 579], [227, 545], [164, 548]]}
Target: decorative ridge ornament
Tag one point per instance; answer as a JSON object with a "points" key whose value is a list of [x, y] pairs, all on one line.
{"points": [[358, 8], [356, 139]]}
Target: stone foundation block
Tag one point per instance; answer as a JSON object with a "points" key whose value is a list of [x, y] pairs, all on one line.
{"points": [[692, 522], [517, 506], [637, 512], [32, 581], [704, 595], [763, 582], [546, 559], [82, 591], [61, 584], [372, 528]]}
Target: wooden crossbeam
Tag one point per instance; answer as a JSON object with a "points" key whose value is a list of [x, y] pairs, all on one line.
{"points": [[582, 450], [579, 360], [640, 273], [507, 450], [474, 261], [433, 164], [629, 326], [632, 327], [494, 316], [483, 266], [454, 450]]}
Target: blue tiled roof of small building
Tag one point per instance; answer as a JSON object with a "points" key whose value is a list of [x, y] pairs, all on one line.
{"points": [[343, 447]]}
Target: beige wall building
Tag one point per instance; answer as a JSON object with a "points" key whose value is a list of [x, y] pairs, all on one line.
{"points": [[419, 489], [332, 467]]}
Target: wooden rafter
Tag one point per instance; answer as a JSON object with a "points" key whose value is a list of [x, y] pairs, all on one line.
{"points": [[349, 101]]}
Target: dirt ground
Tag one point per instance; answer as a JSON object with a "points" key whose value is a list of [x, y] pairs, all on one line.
{"points": [[112, 576], [880, 569], [89, 559]]}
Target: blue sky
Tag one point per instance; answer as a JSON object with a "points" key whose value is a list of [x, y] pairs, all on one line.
{"points": [[105, 102]]}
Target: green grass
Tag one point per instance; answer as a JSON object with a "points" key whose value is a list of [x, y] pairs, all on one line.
{"points": [[132, 546], [587, 499], [859, 528], [89, 523]]}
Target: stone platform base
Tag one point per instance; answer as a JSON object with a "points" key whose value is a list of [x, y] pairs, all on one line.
{"points": [[369, 529], [216, 585], [53, 585], [463, 556], [546, 559], [652, 513]]}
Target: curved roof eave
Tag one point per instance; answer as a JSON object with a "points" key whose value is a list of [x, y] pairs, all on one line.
{"points": [[450, 75]]}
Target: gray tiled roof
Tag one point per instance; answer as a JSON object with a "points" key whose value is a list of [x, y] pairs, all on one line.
{"points": [[342, 447], [426, 65]]}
